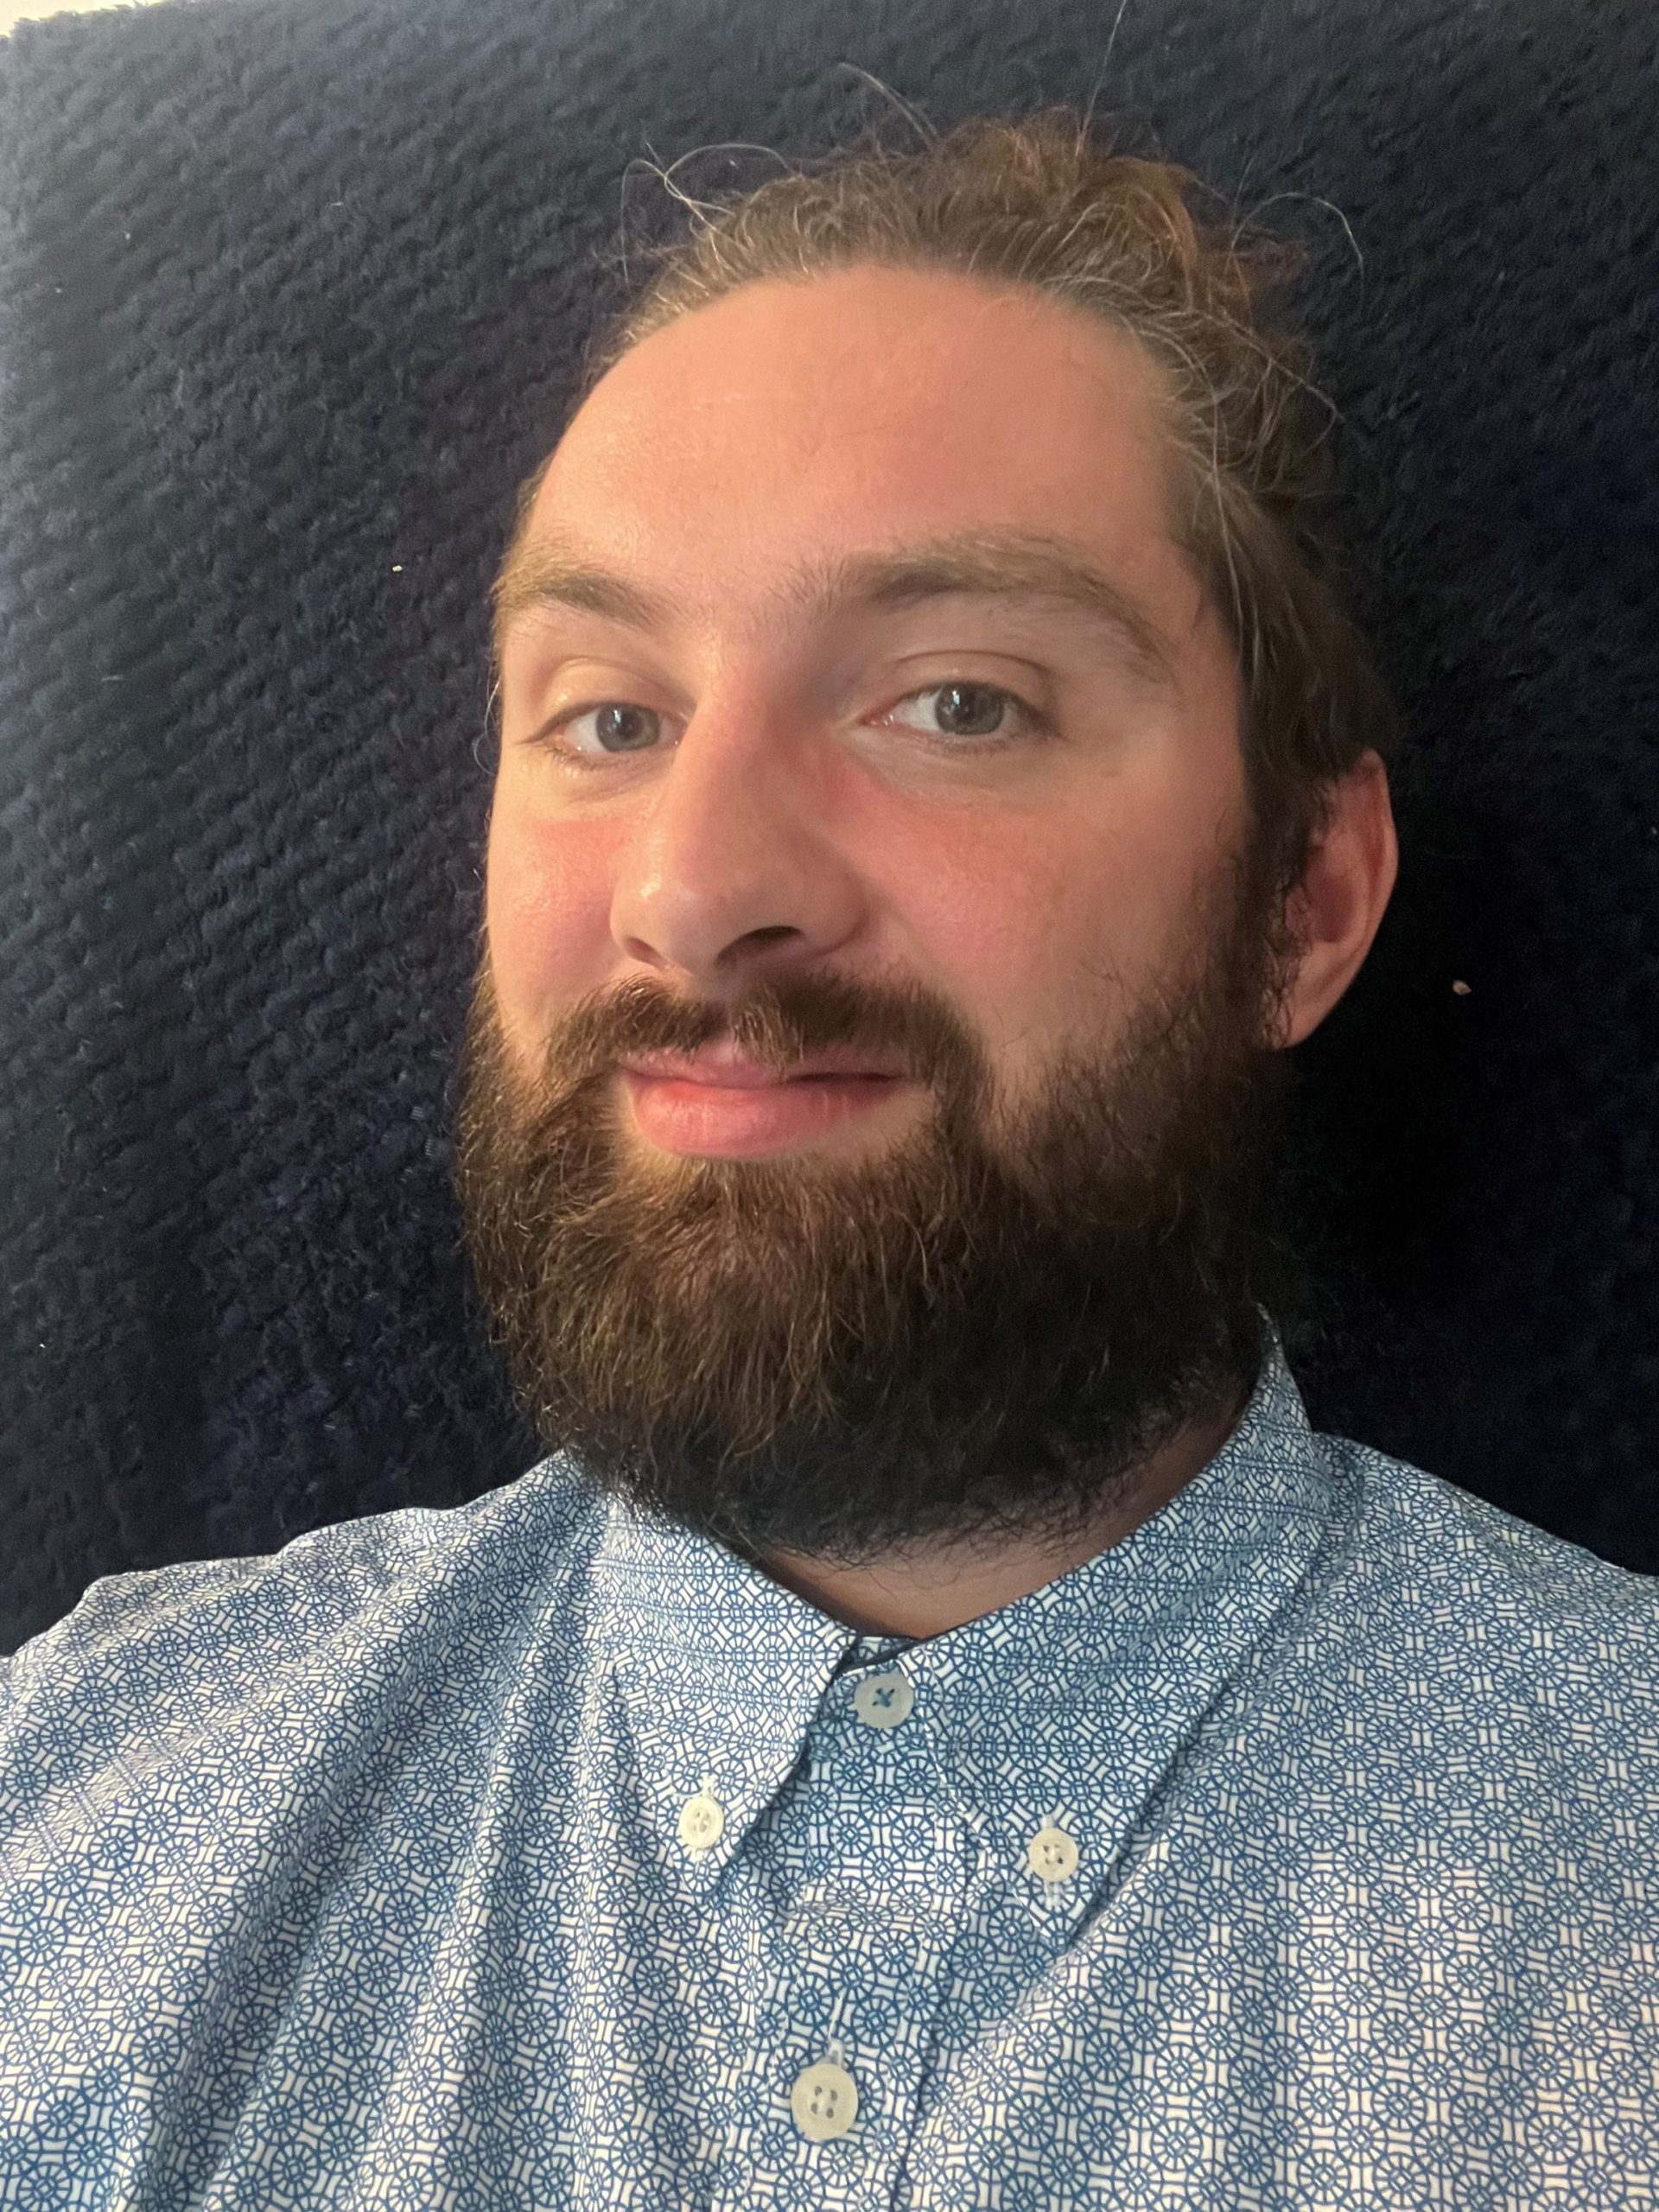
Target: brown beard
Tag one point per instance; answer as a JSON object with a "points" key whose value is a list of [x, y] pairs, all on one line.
{"points": [[963, 1338]]}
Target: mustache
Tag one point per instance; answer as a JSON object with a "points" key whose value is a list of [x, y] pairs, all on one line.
{"points": [[776, 1022]]}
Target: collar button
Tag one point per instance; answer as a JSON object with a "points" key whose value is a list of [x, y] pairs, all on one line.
{"points": [[1052, 1854], [883, 1700], [703, 1820]]}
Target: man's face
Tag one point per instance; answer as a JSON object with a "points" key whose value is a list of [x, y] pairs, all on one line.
{"points": [[776, 791]]}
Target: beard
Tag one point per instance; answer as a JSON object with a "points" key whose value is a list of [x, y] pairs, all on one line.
{"points": [[980, 1332]]}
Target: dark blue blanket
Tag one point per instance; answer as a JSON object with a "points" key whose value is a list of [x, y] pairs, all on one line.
{"points": [[291, 295]]}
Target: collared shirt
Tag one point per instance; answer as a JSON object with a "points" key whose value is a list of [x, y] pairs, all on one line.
{"points": [[1299, 1850]]}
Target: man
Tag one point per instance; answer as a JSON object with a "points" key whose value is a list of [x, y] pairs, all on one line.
{"points": [[939, 1730]]}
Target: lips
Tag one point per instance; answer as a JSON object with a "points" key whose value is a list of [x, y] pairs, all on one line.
{"points": [[722, 1069]]}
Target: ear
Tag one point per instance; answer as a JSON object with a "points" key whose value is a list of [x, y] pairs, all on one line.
{"points": [[1338, 905]]}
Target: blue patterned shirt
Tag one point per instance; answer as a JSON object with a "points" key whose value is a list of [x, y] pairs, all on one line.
{"points": [[1297, 1851]]}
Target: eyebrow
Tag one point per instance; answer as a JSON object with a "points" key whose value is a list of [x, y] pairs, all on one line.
{"points": [[1029, 567]]}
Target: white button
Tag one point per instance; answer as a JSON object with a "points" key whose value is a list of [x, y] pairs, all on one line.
{"points": [[1052, 1854], [883, 1700], [825, 2101], [703, 1821]]}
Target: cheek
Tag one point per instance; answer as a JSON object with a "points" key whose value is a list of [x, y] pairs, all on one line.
{"points": [[1043, 927], [546, 901], [1002, 915]]}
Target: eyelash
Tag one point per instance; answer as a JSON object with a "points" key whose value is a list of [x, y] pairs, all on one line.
{"points": [[1036, 725]]}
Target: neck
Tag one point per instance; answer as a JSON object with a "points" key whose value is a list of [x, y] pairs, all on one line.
{"points": [[930, 1589]]}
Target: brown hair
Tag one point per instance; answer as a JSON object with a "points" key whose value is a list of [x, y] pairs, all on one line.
{"points": [[1033, 201]]}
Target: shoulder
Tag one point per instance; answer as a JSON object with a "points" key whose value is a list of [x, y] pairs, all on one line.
{"points": [[1424, 1543], [1448, 1630], [207, 1647], [1449, 1696]]}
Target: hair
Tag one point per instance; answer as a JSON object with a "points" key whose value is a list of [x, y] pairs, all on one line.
{"points": [[1035, 201]]}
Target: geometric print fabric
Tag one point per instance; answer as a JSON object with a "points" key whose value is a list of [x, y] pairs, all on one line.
{"points": [[362, 1874]]}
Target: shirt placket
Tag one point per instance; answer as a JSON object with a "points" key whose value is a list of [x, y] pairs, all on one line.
{"points": [[848, 1903]]}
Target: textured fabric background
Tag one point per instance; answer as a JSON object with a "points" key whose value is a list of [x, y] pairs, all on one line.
{"points": [[292, 291]]}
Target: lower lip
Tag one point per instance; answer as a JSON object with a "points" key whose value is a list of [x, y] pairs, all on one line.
{"points": [[708, 1117]]}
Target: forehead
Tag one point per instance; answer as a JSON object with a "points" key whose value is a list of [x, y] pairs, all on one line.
{"points": [[864, 406]]}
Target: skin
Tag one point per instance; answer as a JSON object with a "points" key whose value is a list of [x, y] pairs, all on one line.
{"points": [[801, 809]]}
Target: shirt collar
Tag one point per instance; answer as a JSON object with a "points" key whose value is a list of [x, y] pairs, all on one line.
{"points": [[722, 1671]]}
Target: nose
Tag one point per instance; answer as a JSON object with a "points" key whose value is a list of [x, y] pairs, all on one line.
{"points": [[733, 862]]}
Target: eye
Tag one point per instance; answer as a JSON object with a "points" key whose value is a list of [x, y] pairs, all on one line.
{"points": [[969, 711], [619, 726], [972, 718]]}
